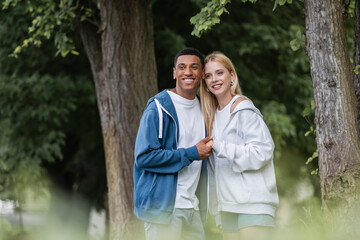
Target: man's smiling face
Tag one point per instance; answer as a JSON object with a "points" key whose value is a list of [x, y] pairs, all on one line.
{"points": [[188, 73]]}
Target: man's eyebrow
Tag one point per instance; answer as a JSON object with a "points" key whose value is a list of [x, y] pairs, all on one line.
{"points": [[192, 64]]}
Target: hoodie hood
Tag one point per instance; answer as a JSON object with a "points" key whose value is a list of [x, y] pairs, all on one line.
{"points": [[246, 105], [164, 98]]}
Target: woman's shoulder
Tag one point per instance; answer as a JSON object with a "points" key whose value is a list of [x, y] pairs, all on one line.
{"points": [[239, 99]]}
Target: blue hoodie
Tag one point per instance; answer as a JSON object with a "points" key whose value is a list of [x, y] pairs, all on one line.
{"points": [[158, 161]]}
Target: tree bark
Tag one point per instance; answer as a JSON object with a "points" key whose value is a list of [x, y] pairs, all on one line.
{"points": [[123, 63], [357, 56], [129, 79], [336, 113]]}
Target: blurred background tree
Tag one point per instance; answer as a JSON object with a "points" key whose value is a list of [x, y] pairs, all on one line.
{"points": [[48, 105], [123, 78]]}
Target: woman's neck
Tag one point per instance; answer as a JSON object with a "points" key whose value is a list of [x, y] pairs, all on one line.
{"points": [[224, 100]]}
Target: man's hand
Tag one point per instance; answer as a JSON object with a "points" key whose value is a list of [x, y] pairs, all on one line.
{"points": [[204, 147]]}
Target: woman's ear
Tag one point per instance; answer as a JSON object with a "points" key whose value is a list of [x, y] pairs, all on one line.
{"points": [[232, 74]]}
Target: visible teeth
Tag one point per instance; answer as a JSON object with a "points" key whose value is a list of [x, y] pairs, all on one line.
{"points": [[188, 80], [216, 86]]}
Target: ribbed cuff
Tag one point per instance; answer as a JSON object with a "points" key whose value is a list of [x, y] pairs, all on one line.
{"points": [[193, 153]]}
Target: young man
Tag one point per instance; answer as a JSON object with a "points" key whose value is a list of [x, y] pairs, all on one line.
{"points": [[169, 146]]}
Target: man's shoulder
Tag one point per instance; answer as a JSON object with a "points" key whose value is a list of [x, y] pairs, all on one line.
{"points": [[161, 99], [163, 96]]}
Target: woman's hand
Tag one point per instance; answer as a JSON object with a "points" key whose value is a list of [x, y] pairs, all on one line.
{"points": [[204, 147], [210, 143]]}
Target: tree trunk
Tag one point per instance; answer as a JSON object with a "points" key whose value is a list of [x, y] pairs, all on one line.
{"points": [[124, 69], [336, 113], [357, 56]]}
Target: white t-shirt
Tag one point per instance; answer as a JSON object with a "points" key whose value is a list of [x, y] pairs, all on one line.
{"points": [[192, 130], [221, 118]]}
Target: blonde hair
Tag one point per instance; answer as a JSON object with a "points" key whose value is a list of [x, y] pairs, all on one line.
{"points": [[209, 102]]}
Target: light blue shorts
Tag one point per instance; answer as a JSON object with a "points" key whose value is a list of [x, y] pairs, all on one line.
{"points": [[232, 222], [185, 225]]}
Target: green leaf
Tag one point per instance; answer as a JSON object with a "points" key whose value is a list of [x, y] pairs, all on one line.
{"points": [[64, 53], [193, 19], [315, 172], [312, 103], [356, 69], [215, 20], [306, 112], [281, 3], [294, 44], [275, 4], [220, 11], [17, 50]]}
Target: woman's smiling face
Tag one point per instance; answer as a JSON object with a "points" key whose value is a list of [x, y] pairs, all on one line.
{"points": [[218, 78]]}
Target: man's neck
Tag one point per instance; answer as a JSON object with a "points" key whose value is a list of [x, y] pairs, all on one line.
{"points": [[186, 95]]}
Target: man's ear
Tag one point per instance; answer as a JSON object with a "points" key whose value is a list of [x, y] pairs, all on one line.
{"points": [[174, 73]]}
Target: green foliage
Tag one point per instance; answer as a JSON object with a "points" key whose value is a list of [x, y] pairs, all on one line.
{"points": [[309, 109], [50, 20], [168, 43], [299, 40], [7, 230], [350, 7], [211, 13], [356, 69], [279, 123], [308, 114], [281, 3], [208, 16], [32, 110], [48, 106]]}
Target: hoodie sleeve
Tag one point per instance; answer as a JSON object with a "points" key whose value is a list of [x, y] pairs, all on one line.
{"points": [[149, 154], [257, 148]]}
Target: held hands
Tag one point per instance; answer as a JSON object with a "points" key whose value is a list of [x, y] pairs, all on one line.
{"points": [[204, 147]]}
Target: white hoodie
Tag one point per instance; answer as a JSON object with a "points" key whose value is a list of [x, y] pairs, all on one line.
{"points": [[242, 165]]}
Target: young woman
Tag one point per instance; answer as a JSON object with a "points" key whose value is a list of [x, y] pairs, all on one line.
{"points": [[244, 195]]}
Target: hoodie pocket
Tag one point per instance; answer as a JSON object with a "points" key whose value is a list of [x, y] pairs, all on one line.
{"points": [[256, 184], [232, 188]]}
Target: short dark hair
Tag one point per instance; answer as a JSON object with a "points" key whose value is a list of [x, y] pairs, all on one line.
{"points": [[190, 51]]}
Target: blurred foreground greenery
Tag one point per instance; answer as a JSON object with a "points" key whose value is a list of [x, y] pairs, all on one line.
{"points": [[299, 214], [295, 220]]}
